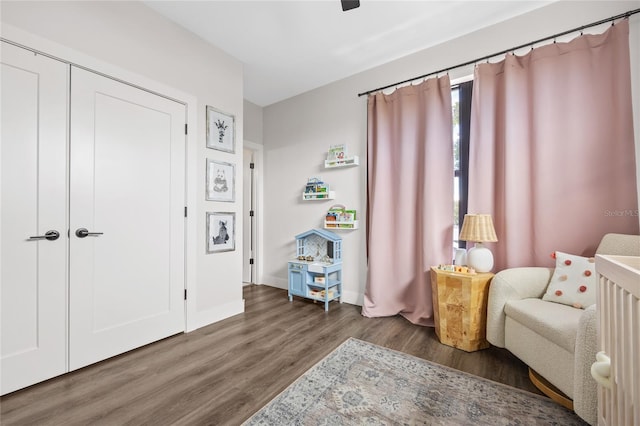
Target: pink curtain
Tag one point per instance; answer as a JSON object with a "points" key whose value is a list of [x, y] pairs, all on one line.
{"points": [[552, 148], [410, 198]]}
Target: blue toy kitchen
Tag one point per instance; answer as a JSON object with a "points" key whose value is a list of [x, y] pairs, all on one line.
{"points": [[316, 271]]}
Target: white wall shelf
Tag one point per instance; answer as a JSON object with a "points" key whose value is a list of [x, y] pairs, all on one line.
{"points": [[345, 162], [338, 225], [318, 196]]}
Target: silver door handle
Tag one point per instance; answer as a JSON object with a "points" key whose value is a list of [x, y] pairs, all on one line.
{"points": [[83, 232], [49, 235]]}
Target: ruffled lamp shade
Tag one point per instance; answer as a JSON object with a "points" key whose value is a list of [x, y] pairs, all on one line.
{"points": [[479, 229]]}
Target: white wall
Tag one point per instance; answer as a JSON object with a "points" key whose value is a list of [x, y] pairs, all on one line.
{"points": [[298, 131], [253, 126], [132, 42]]}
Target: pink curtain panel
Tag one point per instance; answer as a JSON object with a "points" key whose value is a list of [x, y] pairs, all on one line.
{"points": [[410, 198], [552, 148]]}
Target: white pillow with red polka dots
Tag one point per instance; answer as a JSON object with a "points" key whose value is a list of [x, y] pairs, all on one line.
{"points": [[573, 282]]}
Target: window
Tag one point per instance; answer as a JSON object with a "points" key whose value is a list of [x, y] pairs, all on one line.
{"points": [[461, 115], [455, 106]]}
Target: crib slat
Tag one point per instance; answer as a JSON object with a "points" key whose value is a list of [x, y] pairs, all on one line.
{"points": [[618, 302]]}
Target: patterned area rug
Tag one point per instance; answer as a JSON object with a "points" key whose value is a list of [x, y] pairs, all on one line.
{"points": [[363, 384]]}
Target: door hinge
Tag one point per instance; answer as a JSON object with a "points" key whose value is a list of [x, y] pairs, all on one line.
{"points": [[250, 213], [185, 211], [252, 165], [250, 261], [186, 129], [185, 294]]}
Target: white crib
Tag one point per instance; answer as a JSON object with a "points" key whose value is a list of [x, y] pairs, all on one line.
{"points": [[617, 368]]}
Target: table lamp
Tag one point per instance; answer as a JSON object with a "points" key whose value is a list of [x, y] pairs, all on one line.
{"points": [[479, 229]]}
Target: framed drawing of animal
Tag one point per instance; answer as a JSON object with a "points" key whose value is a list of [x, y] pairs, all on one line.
{"points": [[221, 130], [221, 231], [221, 181]]}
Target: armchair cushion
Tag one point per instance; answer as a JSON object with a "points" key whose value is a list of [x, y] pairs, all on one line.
{"points": [[573, 282], [556, 322], [512, 284]]}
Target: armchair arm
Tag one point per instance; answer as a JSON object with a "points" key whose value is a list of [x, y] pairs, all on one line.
{"points": [[512, 284], [585, 388]]}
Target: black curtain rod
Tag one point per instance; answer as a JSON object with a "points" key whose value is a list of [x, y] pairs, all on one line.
{"points": [[532, 43]]}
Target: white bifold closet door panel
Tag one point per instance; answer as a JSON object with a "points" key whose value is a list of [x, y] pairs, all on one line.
{"points": [[33, 289], [127, 195]]}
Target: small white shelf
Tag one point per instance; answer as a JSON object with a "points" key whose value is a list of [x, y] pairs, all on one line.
{"points": [[345, 162], [318, 196], [338, 225]]}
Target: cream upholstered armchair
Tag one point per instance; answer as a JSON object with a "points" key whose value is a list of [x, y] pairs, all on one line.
{"points": [[556, 341]]}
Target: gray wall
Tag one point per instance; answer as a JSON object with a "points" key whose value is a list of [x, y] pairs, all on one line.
{"points": [[299, 131], [128, 40]]}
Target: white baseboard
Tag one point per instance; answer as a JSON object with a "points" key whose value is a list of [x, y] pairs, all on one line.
{"points": [[218, 314], [353, 298], [277, 282]]}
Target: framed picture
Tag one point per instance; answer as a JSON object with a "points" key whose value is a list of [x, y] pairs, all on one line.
{"points": [[221, 232], [221, 181], [221, 130]]}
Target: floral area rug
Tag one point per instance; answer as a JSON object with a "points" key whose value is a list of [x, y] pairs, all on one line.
{"points": [[360, 383]]}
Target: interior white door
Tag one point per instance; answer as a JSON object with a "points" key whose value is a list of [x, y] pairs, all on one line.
{"points": [[127, 191], [247, 217], [33, 153]]}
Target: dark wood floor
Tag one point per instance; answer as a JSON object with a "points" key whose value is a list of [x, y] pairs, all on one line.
{"points": [[221, 374]]}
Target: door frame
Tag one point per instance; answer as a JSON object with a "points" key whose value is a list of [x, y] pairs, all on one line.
{"points": [[45, 47], [258, 178]]}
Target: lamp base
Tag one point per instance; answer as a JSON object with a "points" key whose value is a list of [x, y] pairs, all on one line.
{"points": [[480, 258]]}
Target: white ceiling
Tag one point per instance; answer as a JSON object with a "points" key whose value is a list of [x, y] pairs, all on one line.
{"points": [[290, 47]]}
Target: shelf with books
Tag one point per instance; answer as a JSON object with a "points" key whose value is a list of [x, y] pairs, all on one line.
{"points": [[332, 224], [342, 162], [318, 196]]}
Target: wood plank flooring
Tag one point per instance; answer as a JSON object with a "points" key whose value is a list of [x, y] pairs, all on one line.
{"points": [[221, 374]]}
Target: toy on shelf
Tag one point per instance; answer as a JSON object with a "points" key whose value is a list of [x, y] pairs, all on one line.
{"points": [[337, 152], [316, 189], [339, 217], [338, 157]]}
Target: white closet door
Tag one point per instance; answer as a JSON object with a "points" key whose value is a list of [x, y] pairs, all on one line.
{"points": [[127, 183], [34, 201]]}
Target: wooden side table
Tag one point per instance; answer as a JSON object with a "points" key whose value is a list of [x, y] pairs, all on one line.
{"points": [[460, 308]]}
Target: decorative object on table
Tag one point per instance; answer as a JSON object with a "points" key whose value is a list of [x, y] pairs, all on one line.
{"points": [[220, 181], [338, 216], [460, 257], [316, 271], [460, 306], [360, 381], [456, 268], [479, 229], [221, 130], [221, 230]]}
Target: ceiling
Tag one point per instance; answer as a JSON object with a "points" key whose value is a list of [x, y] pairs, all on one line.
{"points": [[290, 47]]}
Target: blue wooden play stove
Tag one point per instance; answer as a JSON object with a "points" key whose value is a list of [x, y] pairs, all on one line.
{"points": [[316, 272]]}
